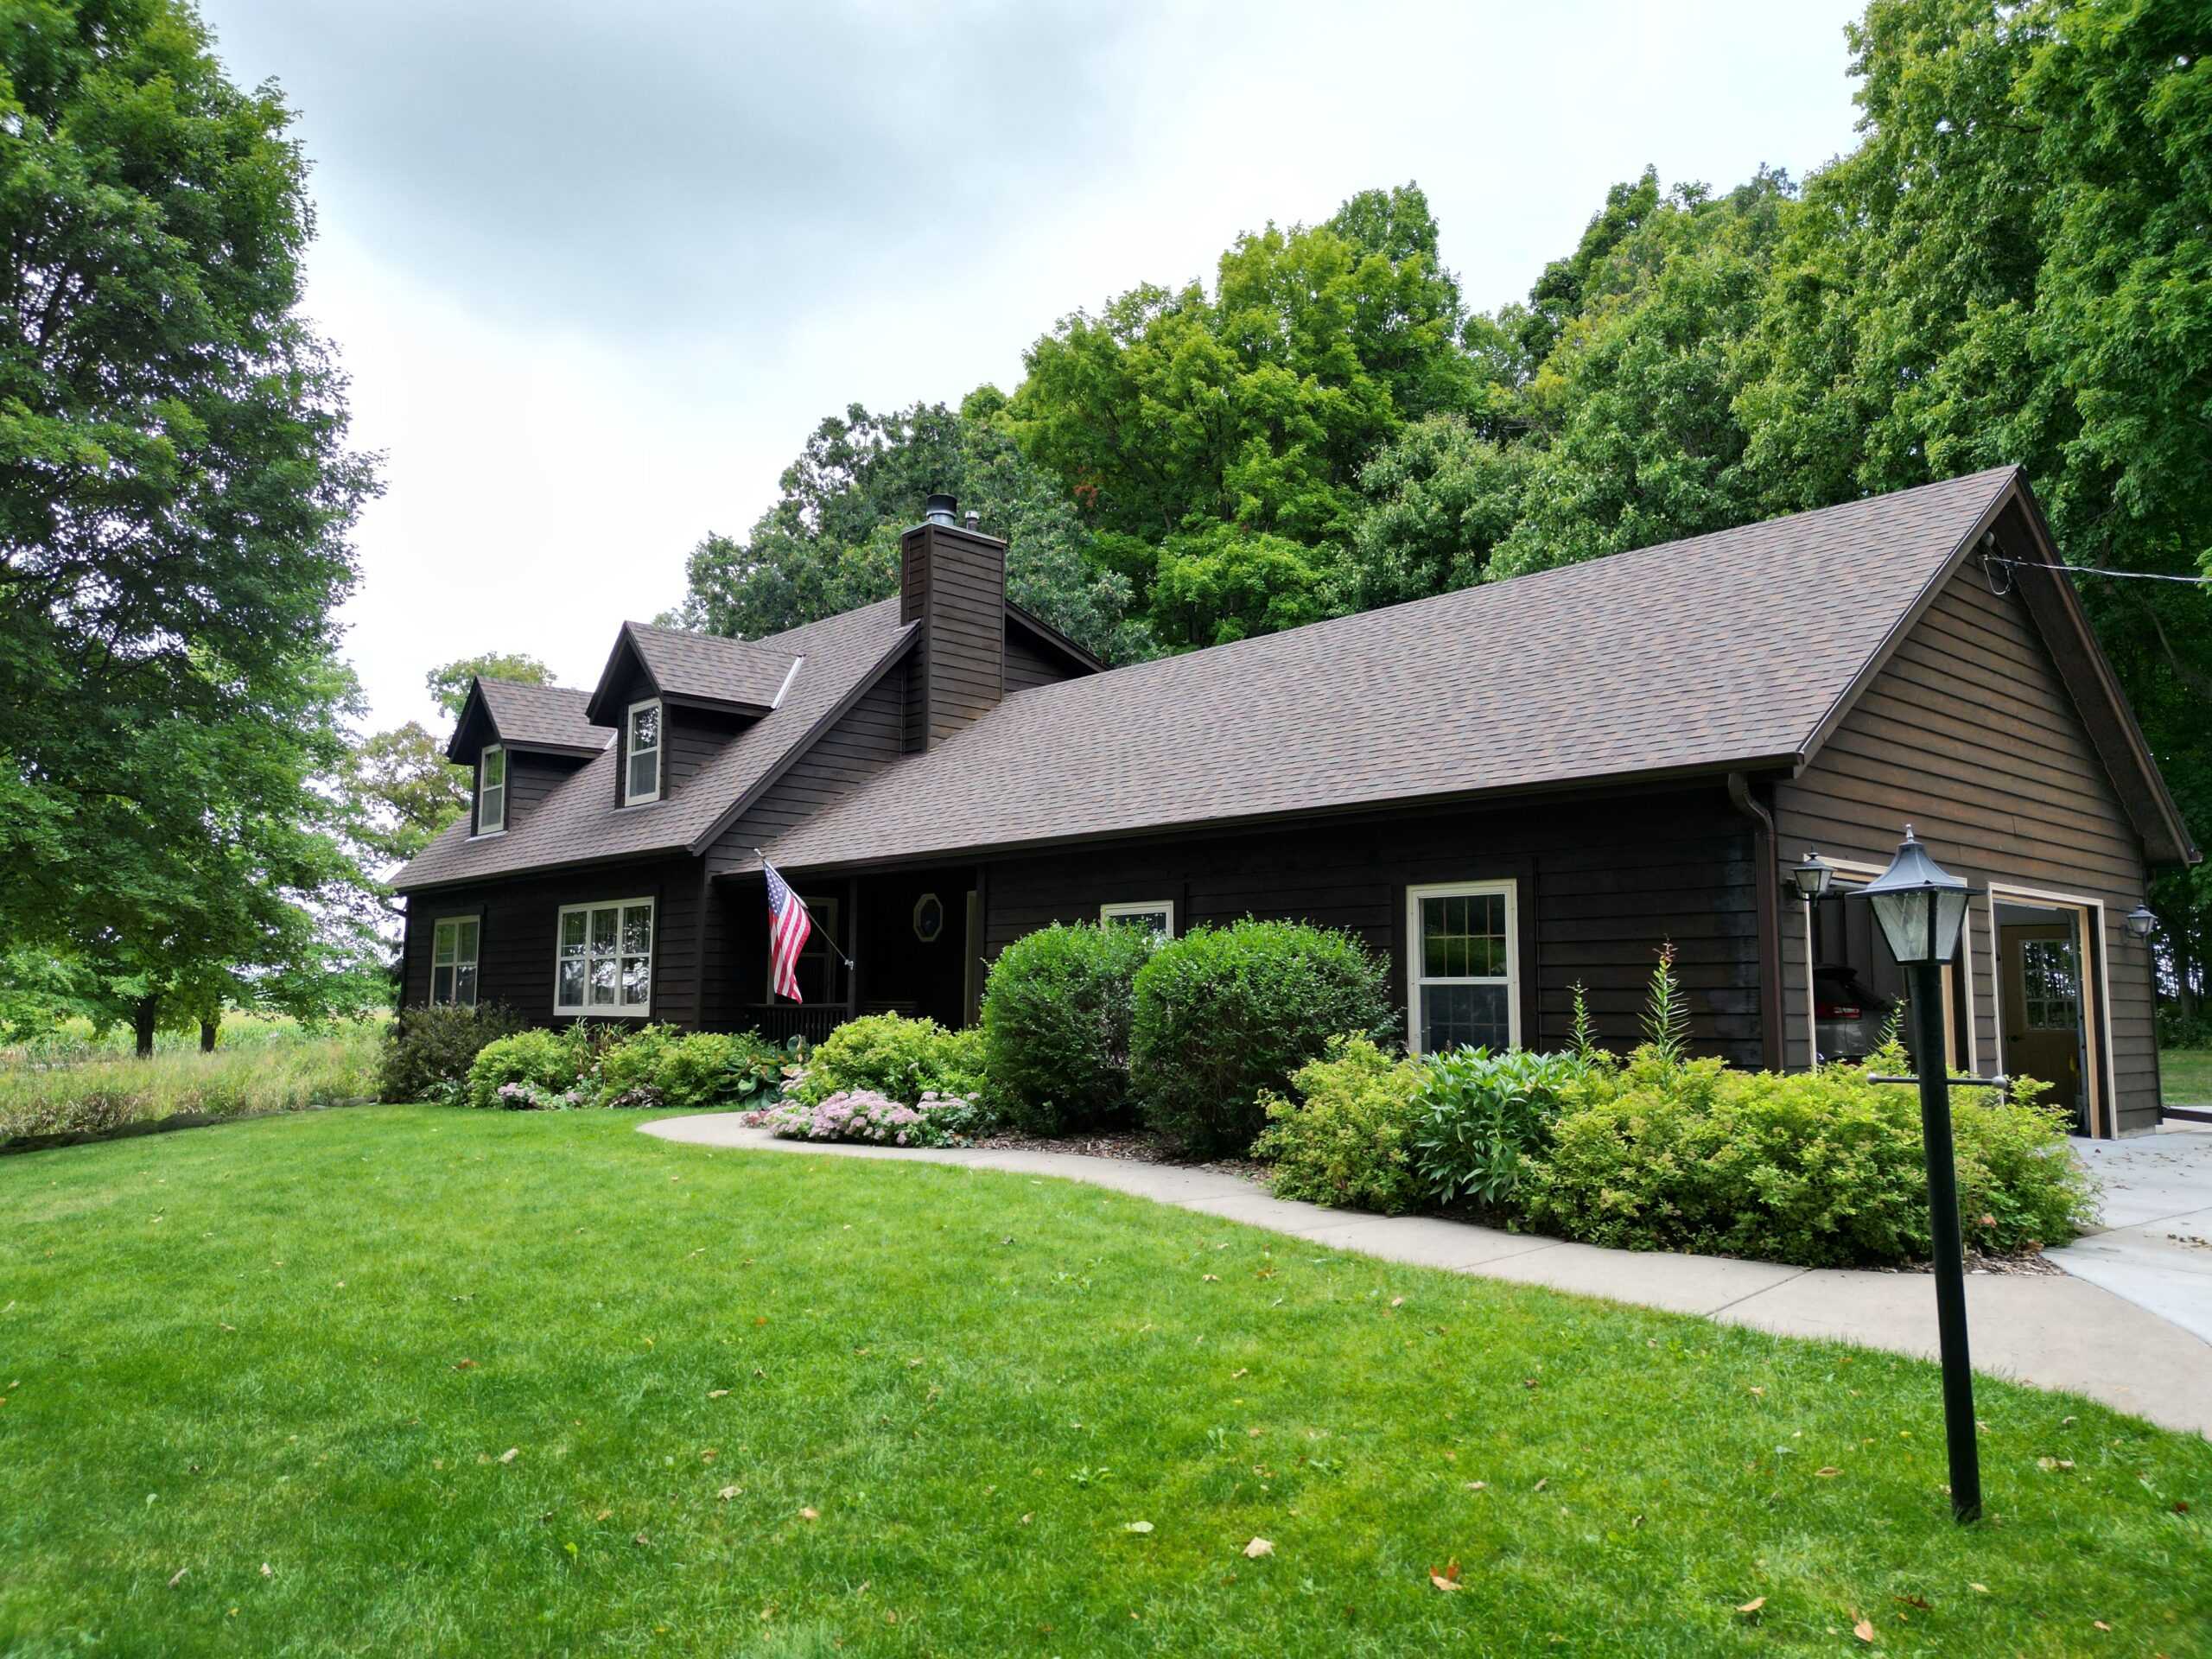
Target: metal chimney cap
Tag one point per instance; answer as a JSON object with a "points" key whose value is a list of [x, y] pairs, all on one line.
{"points": [[941, 509], [972, 520]]}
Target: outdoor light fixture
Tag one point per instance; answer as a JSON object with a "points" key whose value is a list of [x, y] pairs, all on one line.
{"points": [[2141, 923], [1810, 876], [1921, 906]]}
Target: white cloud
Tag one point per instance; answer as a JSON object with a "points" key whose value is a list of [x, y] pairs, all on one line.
{"points": [[597, 271]]}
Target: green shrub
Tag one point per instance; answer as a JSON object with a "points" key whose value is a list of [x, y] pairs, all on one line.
{"points": [[1225, 1015], [629, 1069], [893, 1056], [1483, 1116], [1823, 1169], [533, 1069], [1056, 1025], [428, 1048], [715, 1069], [1348, 1140]]}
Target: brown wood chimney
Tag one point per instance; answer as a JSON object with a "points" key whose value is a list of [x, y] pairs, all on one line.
{"points": [[952, 581]]}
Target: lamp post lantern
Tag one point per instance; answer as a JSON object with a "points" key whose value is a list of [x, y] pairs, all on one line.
{"points": [[1921, 908], [2142, 922], [1809, 877]]}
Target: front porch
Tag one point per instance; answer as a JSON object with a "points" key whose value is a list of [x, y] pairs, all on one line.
{"points": [[914, 938]]}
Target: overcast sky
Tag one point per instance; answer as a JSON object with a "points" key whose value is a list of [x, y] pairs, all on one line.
{"points": [[597, 270]]}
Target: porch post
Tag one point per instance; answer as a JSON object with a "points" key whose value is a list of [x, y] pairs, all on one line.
{"points": [[853, 935]]}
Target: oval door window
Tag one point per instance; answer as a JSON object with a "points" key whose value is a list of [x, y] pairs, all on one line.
{"points": [[929, 917]]}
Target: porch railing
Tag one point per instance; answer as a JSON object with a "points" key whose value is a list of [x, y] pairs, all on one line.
{"points": [[781, 1022]]}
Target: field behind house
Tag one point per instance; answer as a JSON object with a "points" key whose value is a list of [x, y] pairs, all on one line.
{"points": [[407, 1380]]}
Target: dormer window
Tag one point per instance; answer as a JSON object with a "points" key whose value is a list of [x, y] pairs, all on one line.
{"points": [[642, 782], [492, 790]]}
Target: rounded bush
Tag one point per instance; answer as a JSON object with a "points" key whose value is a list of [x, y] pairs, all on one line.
{"points": [[1056, 1025], [893, 1056], [426, 1049], [1225, 1015], [1348, 1140], [539, 1064]]}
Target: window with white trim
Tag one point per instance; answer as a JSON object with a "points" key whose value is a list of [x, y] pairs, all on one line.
{"points": [[1158, 914], [603, 961], [641, 781], [1462, 977], [492, 790], [452, 960]]}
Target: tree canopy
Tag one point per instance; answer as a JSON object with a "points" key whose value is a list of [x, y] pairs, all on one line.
{"points": [[174, 514]]}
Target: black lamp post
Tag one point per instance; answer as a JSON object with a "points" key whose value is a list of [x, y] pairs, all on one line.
{"points": [[1921, 908], [1809, 877]]}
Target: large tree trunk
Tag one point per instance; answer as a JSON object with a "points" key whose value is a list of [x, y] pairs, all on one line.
{"points": [[207, 1030], [143, 1015]]}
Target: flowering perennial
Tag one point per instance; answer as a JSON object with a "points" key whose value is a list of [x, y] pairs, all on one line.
{"points": [[863, 1114]]}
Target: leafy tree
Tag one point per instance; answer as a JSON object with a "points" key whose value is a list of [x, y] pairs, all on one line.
{"points": [[448, 683], [404, 790], [174, 519], [1214, 440], [1437, 501], [831, 541]]}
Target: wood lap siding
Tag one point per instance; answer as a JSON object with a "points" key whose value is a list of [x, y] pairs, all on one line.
{"points": [[515, 950], [531, 779], [1604, 882], [1969, 733], [1027, 666]]}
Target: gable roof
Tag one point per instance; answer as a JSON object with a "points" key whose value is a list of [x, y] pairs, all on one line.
{"points": [[1732, 651], [547, 717], [578, 822], [746, 675]]}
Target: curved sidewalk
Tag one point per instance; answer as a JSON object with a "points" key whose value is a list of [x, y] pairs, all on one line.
{"points": [[2050, 1330]]}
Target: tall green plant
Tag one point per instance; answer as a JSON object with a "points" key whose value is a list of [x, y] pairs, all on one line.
{"points": [[1666, 1013]]}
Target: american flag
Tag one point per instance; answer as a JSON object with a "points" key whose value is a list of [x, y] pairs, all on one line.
{"points": [[788, 927]]}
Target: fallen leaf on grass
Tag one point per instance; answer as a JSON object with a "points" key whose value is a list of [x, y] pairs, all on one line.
{"points": [[2101, 1624], [1477, 1485], [511, 1454], [716, 1394], [1258, 1548], [1210, 1278], [1397, 1301], [268, 1571], [1979, 1589], [728, 1493], [1827, 1471], [810, 1515], [2181, 1506], [2054, 1462], [1863, 1629], [1138, 1526], [1753, 1605], [464, 1364], [1924, 1606], [1449, 1578], [1541, 1484], [179, 1578]]}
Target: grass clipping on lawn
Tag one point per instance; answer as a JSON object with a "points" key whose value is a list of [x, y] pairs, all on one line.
{"points": [[414, 1381]]}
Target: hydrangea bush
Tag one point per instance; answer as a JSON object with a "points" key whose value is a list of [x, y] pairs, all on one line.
{"points": [[866, 1114]]}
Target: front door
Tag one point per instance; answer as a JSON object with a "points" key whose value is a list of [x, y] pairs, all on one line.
{"points": [[2047, 1002]]}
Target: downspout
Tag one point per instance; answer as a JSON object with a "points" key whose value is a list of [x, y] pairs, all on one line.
{"points": [[1764, 881]]}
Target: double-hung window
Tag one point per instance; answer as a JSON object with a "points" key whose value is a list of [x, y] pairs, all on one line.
{"points": [[452, 960], [1462, 967], [641, 782], [1158, 914], [604, 963], [492, 790]]}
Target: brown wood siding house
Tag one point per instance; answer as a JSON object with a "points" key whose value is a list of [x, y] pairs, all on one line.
{"points": [[1567, 771]]}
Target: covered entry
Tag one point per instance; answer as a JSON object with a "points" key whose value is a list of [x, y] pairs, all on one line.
{"points": [[915, 938]]}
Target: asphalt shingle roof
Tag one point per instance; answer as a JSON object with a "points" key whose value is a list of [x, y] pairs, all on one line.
{"points": [[705, 665], [542, 716], [1722, 650], [579, 821]]}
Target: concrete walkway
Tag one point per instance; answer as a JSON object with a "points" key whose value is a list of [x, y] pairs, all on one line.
{"points": [[2156, 1249], [2052, 1330]]}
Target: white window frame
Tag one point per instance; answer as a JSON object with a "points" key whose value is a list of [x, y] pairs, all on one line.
{"points": [[505, 773], [618, 1010], [453, 926], [1139, 907], [630, 752], [1415, 979]]}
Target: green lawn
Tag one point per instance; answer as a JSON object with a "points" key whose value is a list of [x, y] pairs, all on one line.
{"points": [[400, 1380], [2186, 1076]]}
